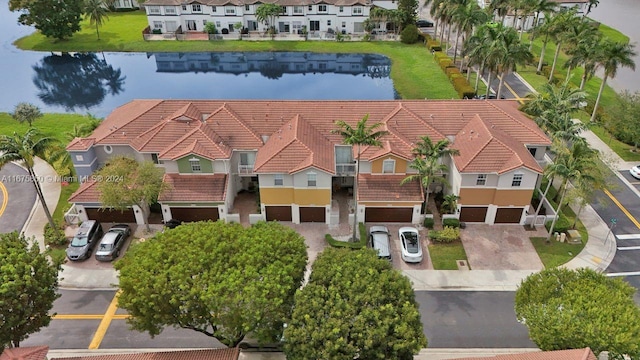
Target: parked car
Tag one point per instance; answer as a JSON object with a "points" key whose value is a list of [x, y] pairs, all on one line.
{"points": [[424, 23], [490, 97], [410, 241], [635, 172], [112, 242], [379, 240], [84, 241]]}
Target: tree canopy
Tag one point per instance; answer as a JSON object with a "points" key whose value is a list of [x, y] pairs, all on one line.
{"points": [[26, 112], [571, 309], [58, 19], [219, 279], [355, 306], [27, 290]]}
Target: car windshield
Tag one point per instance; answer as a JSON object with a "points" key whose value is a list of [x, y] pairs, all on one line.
{"points": [[79, 241], [411, 242], [106, 247]]}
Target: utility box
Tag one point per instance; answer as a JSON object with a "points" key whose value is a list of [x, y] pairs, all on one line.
{"points": [[573, 237]]}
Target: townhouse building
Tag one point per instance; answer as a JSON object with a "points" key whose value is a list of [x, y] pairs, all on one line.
{"points": [[526, 21], [345, 16], [285, 152]]}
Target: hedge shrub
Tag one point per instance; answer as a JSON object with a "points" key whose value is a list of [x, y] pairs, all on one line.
{"points": [[562, 224], [455, 223], [467, 92], [452, 70], [54, 237], [439, 55], [428, 223], [410, 34], [445, 63], [447, 235], [434, 45]]}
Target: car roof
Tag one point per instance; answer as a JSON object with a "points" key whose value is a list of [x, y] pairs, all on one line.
{"points": [[109, 238], [408, 229], [119, 227], [378, 228]]}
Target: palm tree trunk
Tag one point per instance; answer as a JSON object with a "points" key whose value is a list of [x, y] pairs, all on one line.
{"points": [[544, 48], [544, 196], [479, 75], [515, 19], [568, 74], [553, 223], [595, 107], [583, 81], [504, 73], [455, 49], [36, 184], [488, 85], [355, 199], [555, 59], [449, 38], [97, 32], [575, 220]]}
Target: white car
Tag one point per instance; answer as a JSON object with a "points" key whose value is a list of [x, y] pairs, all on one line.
{"points": [[410, 243], [635, 172]]}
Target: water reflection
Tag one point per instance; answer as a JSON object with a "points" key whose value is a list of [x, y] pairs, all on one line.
{"points": [[76, 81], [273, 65]]}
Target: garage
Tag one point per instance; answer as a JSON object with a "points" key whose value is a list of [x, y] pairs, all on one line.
{"points": [[190, 214], [278, 213], [388, 214], [111, 215], [508, 216], [312, 214], [473, 214]]}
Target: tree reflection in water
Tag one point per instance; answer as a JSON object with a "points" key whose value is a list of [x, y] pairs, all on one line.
{"points": [[76, 81]]}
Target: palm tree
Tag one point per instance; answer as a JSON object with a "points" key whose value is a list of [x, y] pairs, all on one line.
{"points": [[592, 4], [449, 203], [585, 53], [563, 99], [539, 7], [467, 17], [581, 40], [428, 164], [512, 53], [565, 21], [360, 135], [545, 30], [24, 149], [96, 10], [613, 56], [499, 8], [267, 14]]}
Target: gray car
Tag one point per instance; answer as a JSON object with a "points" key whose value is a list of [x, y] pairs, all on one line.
{"points": [[112, 242], [84, 241]]}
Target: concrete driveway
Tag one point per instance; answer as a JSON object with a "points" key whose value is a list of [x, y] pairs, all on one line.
{"points": [[501, 247]]}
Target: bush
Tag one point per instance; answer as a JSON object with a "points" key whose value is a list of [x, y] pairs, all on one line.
{"points": [[445, 63], [466, 92], [562, 224], [156, 31], [451, 70], [454, 223], [434, 45], [447, 235], [410, 34], [210, 28], [361, 243], [54, 237], [428, 223]]}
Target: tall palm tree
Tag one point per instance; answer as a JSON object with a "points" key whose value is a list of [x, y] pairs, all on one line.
{"points": [[360, 135], [499, 8], [585, 52], [545, 30], [512, 53], [563, 99], [96, 10], [428, 164], [581, 39], [613, 56], [592, 4], [539, 7], [467, 17], [24, 149], [434, 11], [565, 21]]}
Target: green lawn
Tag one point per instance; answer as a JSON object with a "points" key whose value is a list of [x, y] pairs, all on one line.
{"points": [[444, 256], [555, 253]]}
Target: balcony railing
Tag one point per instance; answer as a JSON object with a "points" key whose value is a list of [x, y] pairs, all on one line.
{"points": [[245, 169], [345, 169]]}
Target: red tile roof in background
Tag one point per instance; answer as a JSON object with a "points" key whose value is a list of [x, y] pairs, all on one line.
{"points": [[573, 354], [204, 354], [25, 353]]}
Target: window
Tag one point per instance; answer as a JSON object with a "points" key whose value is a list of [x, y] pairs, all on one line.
{"points": [[481, 180], [297, 10], [357, 10], [278, 180], [214, 9], [154, 10], [157, 25], [328, 22], [79, 158], [344, 24], [322, 8], [218, 24], [310, 7], [184, 7], [314, 25], [154, 158], [196, 8], [389, 166], [341, 9], [517, 180], [169, 10], [230, 10], [284, 10], [247, 8], [533, 151], [107, 148], [195, 165], [311, 179]]}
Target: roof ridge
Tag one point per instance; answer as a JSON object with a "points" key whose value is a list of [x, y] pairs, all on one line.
{"points": [[158, 103], [213, 141], [480, 148], [242, 122], [531, 130], [284, 146], [180, 140]]}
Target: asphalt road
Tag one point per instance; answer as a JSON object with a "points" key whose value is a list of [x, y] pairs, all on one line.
{"points": [[451, 319], [17, 197]]}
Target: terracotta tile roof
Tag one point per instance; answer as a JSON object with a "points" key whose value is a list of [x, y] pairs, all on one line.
{"points": [[86, 193], [194, 188], [204, 354], [573, 354], [387, 188], [484, 148], [295, 146], [155, 126], [80, 144], [25, 353]]}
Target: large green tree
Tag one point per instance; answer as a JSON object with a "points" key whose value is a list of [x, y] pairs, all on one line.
{"points": [[124, 182], [267, 14], [219, 279], [360, 135], [58, 19], [624, 118], [24, 149], [571, 309], [27, 290], [355, 306], [407, 10], [26, 112]]}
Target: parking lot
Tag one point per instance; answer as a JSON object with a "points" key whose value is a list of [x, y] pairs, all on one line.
{"points": [[633, 181]]}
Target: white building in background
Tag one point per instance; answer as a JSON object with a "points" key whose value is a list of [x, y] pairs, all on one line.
{"points": [[527, 20], [344, 16]]}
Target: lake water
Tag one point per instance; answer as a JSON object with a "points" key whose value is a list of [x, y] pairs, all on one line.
{"points": [[97, 83]]}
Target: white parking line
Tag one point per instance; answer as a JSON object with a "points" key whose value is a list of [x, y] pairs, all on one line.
{"points": [[628, 247], [629, 273], [628, 236]]}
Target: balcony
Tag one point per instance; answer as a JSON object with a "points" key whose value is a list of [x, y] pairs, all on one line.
{"points": [[245, 169], [345, 169]]}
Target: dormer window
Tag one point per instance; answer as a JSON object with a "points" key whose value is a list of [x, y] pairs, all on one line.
{"points": [[196, 8], [389, 166], [481, 180], [517, 180], [195, 165]]}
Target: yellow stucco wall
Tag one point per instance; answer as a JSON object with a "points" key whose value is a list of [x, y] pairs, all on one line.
{"points": [[475, 196], [401, 165], [312, 196], [276, 195]]}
